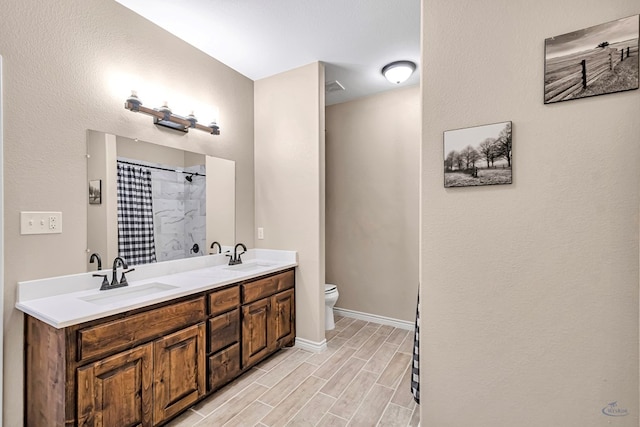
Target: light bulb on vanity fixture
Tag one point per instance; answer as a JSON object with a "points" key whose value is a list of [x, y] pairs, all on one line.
{"points": [[133, 103], [165, 109], [163, 116], [192, 119], [398, 71]]}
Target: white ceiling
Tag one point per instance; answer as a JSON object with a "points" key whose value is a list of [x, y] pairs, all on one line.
{"points": [[260, 38]]}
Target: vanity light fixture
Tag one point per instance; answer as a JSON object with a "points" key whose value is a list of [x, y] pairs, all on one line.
{"points": [[398, 71], [163, 116]]}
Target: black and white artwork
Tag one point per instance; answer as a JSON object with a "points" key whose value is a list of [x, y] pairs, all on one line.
{"points": [[478, 155], [593, 61], [95, 192]]}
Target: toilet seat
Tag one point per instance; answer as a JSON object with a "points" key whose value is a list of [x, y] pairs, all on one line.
{"points": [[328, 288]]}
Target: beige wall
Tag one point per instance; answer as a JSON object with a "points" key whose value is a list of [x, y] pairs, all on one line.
{"points": [[102, 218], [1, 225], [289, 172], [221, 179], [529, 291], [154, 153], [68, 67], [373, 163]]}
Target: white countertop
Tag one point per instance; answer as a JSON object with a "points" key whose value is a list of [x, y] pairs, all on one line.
{"points": [[69, 300]]}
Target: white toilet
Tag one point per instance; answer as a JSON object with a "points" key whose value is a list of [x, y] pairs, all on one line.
{"points": [[330, 298]]}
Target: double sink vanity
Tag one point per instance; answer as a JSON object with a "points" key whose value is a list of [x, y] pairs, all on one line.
{"points": [[142, 354]]}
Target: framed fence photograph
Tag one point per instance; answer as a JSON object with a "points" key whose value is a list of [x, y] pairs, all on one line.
{"points": [[478, 155], [593, 61]]}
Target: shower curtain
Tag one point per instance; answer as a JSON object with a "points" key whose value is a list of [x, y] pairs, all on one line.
{"points": [[415, 367], [136, 243]]}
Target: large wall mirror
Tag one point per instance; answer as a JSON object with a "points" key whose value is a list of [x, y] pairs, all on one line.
{"points": [[151, 203]]}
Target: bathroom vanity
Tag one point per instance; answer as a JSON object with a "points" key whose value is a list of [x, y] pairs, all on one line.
{"points": [[144, 365]]}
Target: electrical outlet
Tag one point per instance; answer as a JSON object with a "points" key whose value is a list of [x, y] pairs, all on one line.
{"points": [[53, 222], [40, 222], [260, 233]]}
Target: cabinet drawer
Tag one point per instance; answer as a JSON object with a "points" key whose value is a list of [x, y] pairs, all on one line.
{"points": [[224, 330], [120, 334], [224, 366], [224, 300], [268, 286]]}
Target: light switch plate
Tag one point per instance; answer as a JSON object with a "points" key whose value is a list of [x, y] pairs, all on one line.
{"points": [[40, 222]]}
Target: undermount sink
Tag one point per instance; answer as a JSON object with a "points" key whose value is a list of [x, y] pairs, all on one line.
{"points": [[123, 294], [249, 266]]}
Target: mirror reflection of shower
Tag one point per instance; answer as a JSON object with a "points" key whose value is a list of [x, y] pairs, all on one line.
{"points": [[179, 209], [189, 175], [104, 149]]}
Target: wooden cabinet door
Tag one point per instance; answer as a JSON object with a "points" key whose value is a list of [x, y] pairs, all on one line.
{"points": [[224, 366], [256, 336], [117, 391], [179, 371], [283, 318]]}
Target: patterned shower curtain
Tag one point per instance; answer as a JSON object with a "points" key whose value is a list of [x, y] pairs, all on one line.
{"points": [[415, 367], [135, 215]]}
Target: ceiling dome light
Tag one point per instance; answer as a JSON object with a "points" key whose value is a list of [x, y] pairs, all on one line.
{"points": [[398, 71]]}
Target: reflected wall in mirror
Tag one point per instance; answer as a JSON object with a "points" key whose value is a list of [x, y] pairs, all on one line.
{"points": [[158, 203]]}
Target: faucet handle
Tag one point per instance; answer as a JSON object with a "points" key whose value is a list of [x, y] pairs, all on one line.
{"points": [[105, 282], [123, 279]]}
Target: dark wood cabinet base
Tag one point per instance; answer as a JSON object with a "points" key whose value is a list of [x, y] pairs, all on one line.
{"points": [[146, 366]]}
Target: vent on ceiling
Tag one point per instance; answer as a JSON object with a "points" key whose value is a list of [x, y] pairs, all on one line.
{"points": [[333, 86]]}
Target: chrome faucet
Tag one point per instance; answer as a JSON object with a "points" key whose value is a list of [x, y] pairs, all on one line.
{"points": [[219, 247], [118, 261], [235, 258], [95, 256]]}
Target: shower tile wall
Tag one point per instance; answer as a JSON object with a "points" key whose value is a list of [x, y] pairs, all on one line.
{"points": [[179, 213], [195, 212]]}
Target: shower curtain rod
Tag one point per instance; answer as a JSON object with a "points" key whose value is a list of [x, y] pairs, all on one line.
{"points": [[158, 167]]}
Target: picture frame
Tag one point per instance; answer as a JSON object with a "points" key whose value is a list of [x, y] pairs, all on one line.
{"points": [[597, 60], [95, 192], [479, 155]]}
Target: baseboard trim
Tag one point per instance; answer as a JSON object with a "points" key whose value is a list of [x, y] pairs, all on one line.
{"points": [[312, 346], [396, 323]]}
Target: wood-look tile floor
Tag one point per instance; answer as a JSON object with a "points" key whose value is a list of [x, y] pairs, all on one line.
{"points": [[361, 380]]}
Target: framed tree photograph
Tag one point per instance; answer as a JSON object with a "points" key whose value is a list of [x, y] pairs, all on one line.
{"points": [[95, 192], [478, 155], [593, 61]]}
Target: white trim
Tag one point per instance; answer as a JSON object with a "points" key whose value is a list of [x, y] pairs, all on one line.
{"points": [[396, 323], [312, 346]]}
